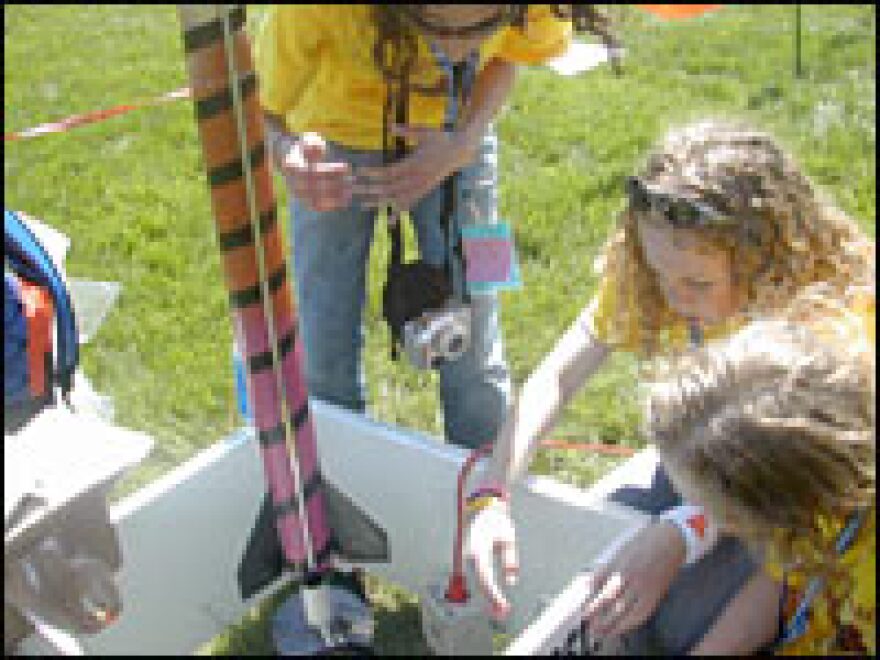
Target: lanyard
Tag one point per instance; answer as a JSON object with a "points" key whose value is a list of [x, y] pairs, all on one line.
{"points": [[797, 624], [460, 80], [453, 96], [695, 333]]}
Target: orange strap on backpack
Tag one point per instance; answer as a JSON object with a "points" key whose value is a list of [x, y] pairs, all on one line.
{"points": [[39, 313]]}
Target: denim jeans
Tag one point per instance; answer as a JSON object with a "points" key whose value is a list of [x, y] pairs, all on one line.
{"points": [[330, 253], [699, 593]]}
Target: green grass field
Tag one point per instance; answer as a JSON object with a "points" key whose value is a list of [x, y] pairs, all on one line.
{"points": [[131, 194]]}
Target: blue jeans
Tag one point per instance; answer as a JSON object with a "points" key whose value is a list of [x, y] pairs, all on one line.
{"points": [[699, 593], [330, 253]]}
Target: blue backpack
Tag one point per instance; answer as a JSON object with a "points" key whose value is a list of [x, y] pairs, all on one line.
{"points": [[33, 295]]}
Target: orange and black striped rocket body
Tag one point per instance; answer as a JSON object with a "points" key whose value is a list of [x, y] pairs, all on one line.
{"points": [[230, 125]]}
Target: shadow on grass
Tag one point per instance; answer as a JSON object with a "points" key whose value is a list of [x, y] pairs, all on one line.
{"points": [[399, 631]]}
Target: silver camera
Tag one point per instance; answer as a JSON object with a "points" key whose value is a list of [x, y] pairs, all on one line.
{"points": [[438, 336]]}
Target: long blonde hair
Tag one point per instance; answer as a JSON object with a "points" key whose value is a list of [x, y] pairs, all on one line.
{"points": [[776, 425], [786, 235]]}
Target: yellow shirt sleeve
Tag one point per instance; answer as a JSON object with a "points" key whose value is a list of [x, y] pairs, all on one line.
{"points": [[603, 320], [543, 37], [287, 40]]}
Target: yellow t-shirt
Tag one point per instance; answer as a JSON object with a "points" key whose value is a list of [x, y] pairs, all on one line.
{"points": [[843, 616], [602, 320], [316, 68]]}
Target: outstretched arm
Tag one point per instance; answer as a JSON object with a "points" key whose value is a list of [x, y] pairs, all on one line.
{"points": [[576, 357]]}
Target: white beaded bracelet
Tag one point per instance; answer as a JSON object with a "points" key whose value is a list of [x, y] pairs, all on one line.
{"points": [[699, 533]]}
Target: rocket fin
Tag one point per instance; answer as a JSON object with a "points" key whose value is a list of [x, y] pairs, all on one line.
{"points": [[359, 539]]}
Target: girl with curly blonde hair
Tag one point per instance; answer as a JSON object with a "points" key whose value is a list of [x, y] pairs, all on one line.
{"points": [[757, 207], [720, 226], [774, 433]]}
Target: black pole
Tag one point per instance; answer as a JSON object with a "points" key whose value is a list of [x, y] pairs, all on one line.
{"points": [[797, 40]]}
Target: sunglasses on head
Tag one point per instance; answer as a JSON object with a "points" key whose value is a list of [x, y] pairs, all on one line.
{"points": [[485, 27], [678, 210]]}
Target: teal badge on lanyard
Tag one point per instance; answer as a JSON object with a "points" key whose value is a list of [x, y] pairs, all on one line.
{"points": [[491, 258]]}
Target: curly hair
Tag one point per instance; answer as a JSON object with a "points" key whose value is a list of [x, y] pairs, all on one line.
{"points": [[785, 234], [774, 425], [396, 46]]}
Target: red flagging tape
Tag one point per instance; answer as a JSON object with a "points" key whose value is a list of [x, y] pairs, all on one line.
{"points": [[598, 448], [95, 116], [677, 12]]}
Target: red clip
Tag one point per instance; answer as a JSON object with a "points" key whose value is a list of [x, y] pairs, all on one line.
{"points": [[698, 524], [457, 591]]}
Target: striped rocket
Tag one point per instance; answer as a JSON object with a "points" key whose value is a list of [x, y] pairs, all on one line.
{"points": [[312, 519]]}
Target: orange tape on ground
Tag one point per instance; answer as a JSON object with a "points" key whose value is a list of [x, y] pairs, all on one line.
{"points": [[598, 448], [673, 12], [95, 116]]}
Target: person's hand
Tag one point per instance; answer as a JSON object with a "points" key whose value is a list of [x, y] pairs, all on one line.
{"points": [[437, 154], [491, 531], [626, 589], [319, 184]]}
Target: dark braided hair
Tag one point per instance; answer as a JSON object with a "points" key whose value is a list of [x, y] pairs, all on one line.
{"points": [[396, 46]]}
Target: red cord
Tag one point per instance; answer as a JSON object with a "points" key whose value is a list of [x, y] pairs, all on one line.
{"points": [[611, 450], [456, 590]]}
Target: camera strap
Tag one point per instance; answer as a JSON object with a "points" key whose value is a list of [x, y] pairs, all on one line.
{"points": [[413, 287], [461, 75], [459, 88], [388, 156]]}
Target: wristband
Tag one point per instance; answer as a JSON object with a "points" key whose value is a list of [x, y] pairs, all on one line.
{"points": [[474, 506], [482, 497], [699, 533], [492, 491]]}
